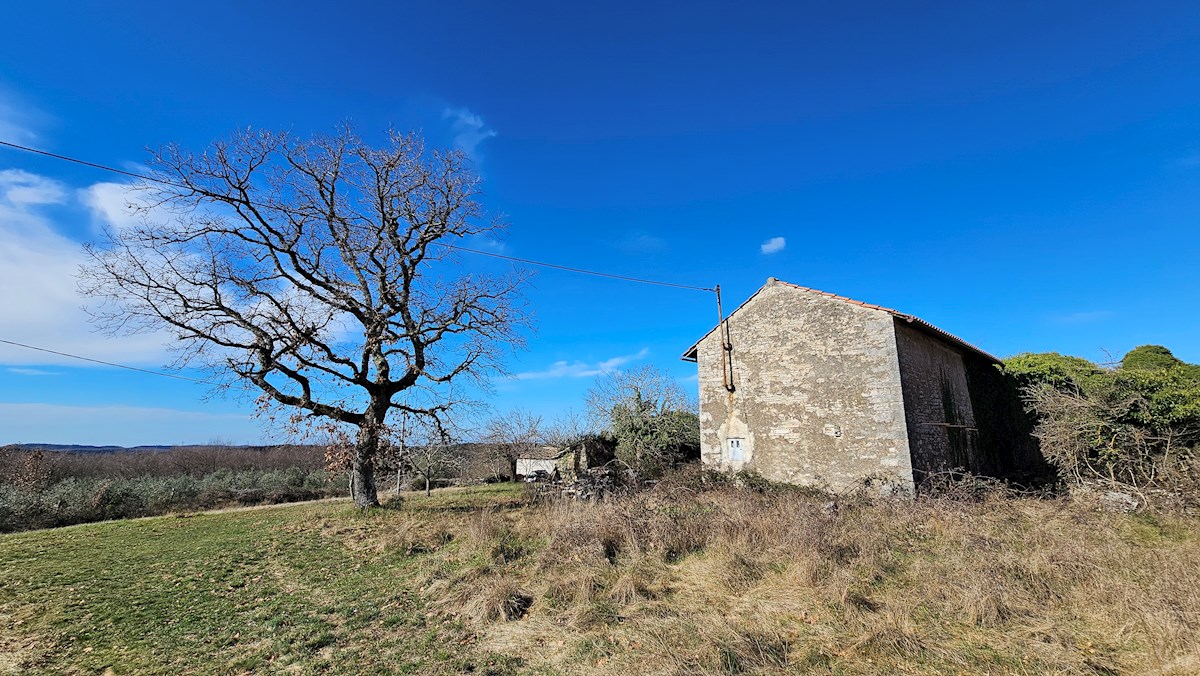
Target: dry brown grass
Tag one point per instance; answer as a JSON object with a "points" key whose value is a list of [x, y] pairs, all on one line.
{"points": [[722, 580]]}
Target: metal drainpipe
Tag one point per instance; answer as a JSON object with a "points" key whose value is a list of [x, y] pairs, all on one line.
{"points": [[726, 344]]}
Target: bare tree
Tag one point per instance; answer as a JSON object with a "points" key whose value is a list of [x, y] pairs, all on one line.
{"points": [[569, 428], [393, 456], [312, 272], [433, 459], [646, 382], [512, 434]]}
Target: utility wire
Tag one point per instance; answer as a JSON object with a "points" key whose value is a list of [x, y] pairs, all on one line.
{"points": [[106, 363], [526, 261], [85, 163], [144, 177]]}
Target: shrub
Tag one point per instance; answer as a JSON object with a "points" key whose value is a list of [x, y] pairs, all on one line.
{"points": [[1138, 424], [81, 500]]}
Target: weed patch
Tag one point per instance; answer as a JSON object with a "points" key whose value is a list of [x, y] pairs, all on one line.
{"points": [[711, 579]]}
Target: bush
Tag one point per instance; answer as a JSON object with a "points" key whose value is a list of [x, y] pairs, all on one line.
{"points": [[82, 500], [1137, 425]]}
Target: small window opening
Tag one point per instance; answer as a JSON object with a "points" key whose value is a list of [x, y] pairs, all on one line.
{"points": [[736, 452]]}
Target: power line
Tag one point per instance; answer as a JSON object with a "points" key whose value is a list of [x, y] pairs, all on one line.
{"points": [[526, 261], [144, 177], [106, 363], [85, 163]]}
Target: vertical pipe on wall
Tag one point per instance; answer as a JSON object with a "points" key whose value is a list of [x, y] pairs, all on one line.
{"points": [[726, 343]]}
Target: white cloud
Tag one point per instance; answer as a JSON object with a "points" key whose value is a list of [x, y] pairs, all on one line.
{"points": [[112, 204], [469, 129], [21, 189], [40, 304], [773, 245], [579, 369], [485, 243], [21, 371]]}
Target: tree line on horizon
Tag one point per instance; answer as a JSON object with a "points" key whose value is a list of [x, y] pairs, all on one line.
{"points": [[322, 275]]}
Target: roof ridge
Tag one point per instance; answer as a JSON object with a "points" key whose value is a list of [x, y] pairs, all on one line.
{"points": [[842, 298], [912, 319]]}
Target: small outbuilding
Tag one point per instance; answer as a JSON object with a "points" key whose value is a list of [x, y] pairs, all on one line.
{"points": [[549, 459], [567, 462], [808, 387]]}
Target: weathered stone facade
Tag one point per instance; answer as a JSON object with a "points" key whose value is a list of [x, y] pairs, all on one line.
{"points": [[937, 404], [822, 390]]}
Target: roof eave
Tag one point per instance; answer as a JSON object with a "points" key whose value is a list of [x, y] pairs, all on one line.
{"points": [[691, 354], [948, 337]]}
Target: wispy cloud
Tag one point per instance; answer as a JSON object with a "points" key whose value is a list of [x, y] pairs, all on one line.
{"points": [[112, 204], [17, 119], [469, 129], [1085, 317], [21, 371], [773, 245], [20, 189], [640, 243], [37, 271], [579, 369], [485, 243]]}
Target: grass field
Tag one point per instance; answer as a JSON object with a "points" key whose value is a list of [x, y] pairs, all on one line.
{"points": [[683, 579]]}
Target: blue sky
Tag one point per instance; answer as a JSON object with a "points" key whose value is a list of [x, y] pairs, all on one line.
{"points": [[1023, 175]]}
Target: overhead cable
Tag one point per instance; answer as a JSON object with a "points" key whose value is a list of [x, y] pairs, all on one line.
{"points": [[85, 163], [526, 261], [106, 363]]}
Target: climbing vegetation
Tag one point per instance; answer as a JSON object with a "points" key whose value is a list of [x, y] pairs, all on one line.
{"points": [[1137, 423]]}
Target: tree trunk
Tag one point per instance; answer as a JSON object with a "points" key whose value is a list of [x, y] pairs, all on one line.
{"points": [[426, 485], [362, 486], [512, 467]]}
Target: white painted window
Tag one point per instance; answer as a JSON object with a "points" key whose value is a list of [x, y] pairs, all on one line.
{"points": [[736, 452]]}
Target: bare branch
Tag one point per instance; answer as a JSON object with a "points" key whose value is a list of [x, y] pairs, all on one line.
{"points": [[308, 270]]}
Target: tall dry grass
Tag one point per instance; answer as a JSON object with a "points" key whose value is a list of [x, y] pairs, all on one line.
{"points": [[701, 579]]}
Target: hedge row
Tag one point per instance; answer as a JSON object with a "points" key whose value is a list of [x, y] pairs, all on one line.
{"points": [[84, 500]]}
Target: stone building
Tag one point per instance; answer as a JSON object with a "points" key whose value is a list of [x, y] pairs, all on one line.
{"points": [[568, 462], [818, 389]]}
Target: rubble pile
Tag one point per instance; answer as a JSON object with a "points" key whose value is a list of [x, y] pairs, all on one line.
{"points": [[599, 482]]}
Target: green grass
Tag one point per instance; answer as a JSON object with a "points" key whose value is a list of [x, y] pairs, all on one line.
{"points": [[279, 588], [683, 579]]}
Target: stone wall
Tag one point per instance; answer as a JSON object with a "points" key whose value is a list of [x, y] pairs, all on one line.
{"points": [[817, 397], [937, 403]]}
